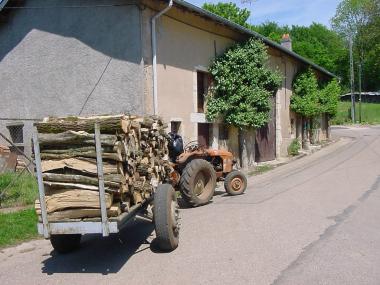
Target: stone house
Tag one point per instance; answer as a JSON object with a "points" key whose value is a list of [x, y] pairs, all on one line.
{"points": [[80, 57]]}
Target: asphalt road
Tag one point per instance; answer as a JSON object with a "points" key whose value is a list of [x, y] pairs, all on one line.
{"points": [[314, 221]]}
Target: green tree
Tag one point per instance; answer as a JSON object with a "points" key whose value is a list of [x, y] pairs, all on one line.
{"points": [[370, 35], [310, 98], [305, 98], [359, 20], [271, 30], [351, 16], [329, 98], [230, 11], [242, 86]]}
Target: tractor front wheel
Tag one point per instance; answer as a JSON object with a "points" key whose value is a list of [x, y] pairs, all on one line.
{"points": [[235, 183], [198, 182]]}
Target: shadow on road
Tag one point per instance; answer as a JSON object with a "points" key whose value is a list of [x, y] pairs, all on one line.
{"points": [[102, 255]]}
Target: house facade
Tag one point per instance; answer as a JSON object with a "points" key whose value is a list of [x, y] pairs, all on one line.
{"points": [[82, 57]]}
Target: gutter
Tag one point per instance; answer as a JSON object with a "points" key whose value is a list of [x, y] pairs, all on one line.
{"points": [[154, 55], [241, 29]]}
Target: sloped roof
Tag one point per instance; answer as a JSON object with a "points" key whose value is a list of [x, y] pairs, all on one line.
{"points": [[249, 32]]}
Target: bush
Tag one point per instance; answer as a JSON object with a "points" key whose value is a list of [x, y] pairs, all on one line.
{"points": [[294, 147], [23, 190]]}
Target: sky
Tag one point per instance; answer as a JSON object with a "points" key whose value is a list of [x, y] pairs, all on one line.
{"points": [[285, 12]]}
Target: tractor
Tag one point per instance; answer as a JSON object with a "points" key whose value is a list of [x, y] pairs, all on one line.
{"points": [[197, 169]]}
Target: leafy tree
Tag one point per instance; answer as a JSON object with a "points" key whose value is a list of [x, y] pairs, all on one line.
{"points": [[310, 99], [242, 86], [359, 20], [329, 98], [271, 30], [370, 35], [305, 98], [322, 46], [351, 16], [229, 11]]}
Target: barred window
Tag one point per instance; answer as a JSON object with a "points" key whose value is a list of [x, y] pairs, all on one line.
{"points": [[16, 131]]}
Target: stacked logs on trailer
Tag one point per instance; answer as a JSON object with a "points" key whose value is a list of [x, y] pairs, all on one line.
{"points": [[135, 161]]}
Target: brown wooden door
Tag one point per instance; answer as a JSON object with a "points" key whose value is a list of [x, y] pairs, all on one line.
{"points": [[204, 135], [265, 144]]}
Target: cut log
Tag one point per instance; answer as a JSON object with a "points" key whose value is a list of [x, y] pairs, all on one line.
{"points": [[74, 138], [107, 124], [69, 149], [52, 186], [74, 198], [134, 153], [79, 165], [111, 180], [89, 154]]}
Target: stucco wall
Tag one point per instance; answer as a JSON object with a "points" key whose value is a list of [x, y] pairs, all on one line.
{"points": [[181, 51], [288, 69], [184, 48], [56, 59]]}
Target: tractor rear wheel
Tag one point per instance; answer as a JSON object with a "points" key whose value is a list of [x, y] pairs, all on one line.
{"points": [[235, 183], [198, 182]]}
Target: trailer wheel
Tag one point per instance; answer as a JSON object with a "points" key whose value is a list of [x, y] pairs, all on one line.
{"points": [[166, 216], [235, 183], [198, 182], [65, 243]]}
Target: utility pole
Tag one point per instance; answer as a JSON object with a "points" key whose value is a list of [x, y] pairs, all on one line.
{"points": [[352, 82], [360, 92]]}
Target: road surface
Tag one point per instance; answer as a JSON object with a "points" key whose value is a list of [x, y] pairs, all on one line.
{"points": [[314, 221]]}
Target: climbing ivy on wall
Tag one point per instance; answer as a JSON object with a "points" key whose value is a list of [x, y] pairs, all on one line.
{"points": [[242, 86]]}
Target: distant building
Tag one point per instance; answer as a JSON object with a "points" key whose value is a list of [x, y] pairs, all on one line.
{"points": [[369, 97]]}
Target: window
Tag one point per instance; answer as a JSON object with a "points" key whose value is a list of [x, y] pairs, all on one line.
{"points": [[203, 84], [16, 133]]}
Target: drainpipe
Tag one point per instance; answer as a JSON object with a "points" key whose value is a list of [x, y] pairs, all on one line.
{"points": [[154, 53]]}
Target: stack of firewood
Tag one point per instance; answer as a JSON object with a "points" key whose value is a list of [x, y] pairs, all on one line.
{"points": [[135, 161]]}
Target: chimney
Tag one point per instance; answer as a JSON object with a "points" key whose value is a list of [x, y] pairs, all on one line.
{"points": [[286, 41]]}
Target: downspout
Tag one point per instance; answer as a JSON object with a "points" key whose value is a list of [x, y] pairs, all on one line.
{"points": [[154, 55]]}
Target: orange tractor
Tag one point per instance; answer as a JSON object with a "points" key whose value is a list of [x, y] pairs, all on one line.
{"points": [[197, 169]]}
